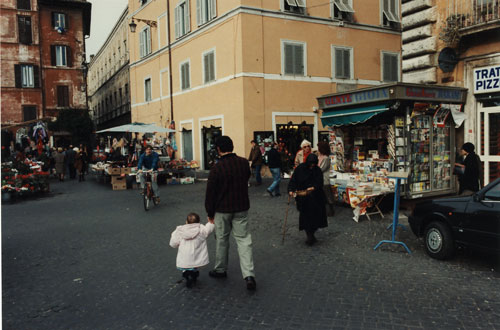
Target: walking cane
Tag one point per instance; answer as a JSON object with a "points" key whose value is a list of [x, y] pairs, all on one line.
{"points": [[286, 218]]}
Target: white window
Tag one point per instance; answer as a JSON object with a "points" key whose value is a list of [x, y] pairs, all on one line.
{"points": [[59, 20], [294, 6], [61, 56], [27, 76], [145, 42], [342, 9], [182, 21], [206, 10], [185, 75], [147, 90], [390, 67], [342, 63], [390, 13], [209, 66], [293, 58]]}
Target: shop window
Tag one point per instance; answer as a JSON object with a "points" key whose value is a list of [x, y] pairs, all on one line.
{"points": [[147, 90], [24, 4], [24, 30], [182, 20], [295, 6], [27, 76], [390, 67], [61, 55], [145, 42], [206, 10], [209, 66], [62, 96], [185, 76], [342, 9], [293, 58], [342, 62], [59, 22], [390, 13], [29, 112]]}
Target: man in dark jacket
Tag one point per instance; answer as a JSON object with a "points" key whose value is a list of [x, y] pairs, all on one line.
{"points": [[227, 204], [470, 180], [256, 161], [70, 160], [148, 161], [274, 163]]}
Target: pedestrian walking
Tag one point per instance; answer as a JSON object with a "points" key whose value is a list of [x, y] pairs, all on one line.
{"points": [[325, 164], [60, 163], [471, 180], [302, 154], [274, 163], [80, 164], [255, 159], [306, 185], [227, 204], [191, 241], [70, 161]]}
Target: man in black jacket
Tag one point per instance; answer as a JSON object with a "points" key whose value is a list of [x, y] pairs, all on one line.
{"points": [[470, 181], [274, 163], [227, 204]]}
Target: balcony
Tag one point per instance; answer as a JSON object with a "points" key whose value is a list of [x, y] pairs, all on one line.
{"points": [[473, 16]]}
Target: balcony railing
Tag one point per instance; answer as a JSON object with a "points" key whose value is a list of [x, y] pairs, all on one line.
{"points": [[473, 15]]}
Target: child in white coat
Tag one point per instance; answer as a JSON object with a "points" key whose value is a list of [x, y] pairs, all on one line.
{"points": [[191, 239]]}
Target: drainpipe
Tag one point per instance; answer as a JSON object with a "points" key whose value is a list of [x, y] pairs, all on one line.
{"points": [[42, 71], [170, 64]]}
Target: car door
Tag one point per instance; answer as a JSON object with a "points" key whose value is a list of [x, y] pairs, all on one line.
{"points": [[481, 227]]}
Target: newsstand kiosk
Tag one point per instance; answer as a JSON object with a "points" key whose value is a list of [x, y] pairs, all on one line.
{"points": [[396, 127]]}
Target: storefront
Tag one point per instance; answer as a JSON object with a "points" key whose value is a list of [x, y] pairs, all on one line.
{"points": [[487, 97], [396, 127]]}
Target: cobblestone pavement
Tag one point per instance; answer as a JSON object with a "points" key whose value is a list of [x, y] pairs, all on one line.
{"points": [[91, 258]]}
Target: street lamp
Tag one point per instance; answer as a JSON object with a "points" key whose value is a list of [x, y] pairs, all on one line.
{"points": [[133, 25]]}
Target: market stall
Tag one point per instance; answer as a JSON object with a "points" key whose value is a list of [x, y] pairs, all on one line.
{"points": [[397, 127], [22, 179]]}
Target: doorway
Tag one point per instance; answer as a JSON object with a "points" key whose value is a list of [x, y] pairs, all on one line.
{"points": [[489, 139], [187, 144]]}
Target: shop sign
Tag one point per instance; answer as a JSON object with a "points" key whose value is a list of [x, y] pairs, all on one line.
{"points": [[487, 79], [355, 98], [432, 94]]}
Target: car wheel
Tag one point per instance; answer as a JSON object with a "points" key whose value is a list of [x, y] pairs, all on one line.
{"points": [[438, 240]]}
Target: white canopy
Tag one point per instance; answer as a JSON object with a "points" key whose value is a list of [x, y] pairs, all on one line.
{"points": [[138, 128]]}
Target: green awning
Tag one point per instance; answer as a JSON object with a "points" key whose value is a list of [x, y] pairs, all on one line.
{"points": [[351, 116]]}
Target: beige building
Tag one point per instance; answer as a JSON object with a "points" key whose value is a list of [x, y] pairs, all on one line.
{"points": [[109, 79], [457, 43], [253, 69]]}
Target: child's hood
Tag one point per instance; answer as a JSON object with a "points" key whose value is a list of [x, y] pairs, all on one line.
{"points": [[189, 231]]}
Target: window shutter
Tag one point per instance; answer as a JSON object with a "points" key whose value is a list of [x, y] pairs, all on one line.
{"points": [[338, 63], [187, 15], [177, 21], [199, 13], [53, 19], [394, 67], [66, 96], [299, 59], [53, 55], [148, 40], [206, 69], [141, 44], [18, 76], [288, 59], [213, 9], [347, 64], [69, 57], [66, 22], [386, 68], [36, 76], [212, 66], [386, 5]]}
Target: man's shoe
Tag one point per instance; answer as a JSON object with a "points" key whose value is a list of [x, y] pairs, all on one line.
{"points": [[216, 274], [251, 285], [270, 192]]}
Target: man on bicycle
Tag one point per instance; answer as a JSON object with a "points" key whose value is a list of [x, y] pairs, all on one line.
{"points": [[148, 161]]}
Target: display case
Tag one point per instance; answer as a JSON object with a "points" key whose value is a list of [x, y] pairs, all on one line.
{"points": [[441, 158], [420, 138]]}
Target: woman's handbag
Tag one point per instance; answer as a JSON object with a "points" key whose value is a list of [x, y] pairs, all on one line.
{"points": [[303, 193], [458, 170]]}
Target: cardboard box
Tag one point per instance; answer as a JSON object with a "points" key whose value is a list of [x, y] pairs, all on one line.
{"points": [[187, 180], [126, 170], [119, 183], [114, 171]]}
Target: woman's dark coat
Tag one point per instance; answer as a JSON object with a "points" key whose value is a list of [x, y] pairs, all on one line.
{"points": [[311, 207]]}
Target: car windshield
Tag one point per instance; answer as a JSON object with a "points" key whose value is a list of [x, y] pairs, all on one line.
{"points": [[493, 194]]}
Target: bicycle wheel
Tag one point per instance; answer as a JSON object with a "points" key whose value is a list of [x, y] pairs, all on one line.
{"points": [[147, 197]]}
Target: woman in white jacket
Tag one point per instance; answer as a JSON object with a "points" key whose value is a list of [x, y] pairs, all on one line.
{"points": [[191, 239]]}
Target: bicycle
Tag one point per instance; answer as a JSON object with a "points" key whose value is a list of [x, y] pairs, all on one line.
{"points": [[148, 193]]}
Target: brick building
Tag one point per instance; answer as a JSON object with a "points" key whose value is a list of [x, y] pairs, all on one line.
{"points": [[43, 53]]}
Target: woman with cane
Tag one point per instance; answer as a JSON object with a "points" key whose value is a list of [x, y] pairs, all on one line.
{"points": [[306, 185]]}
